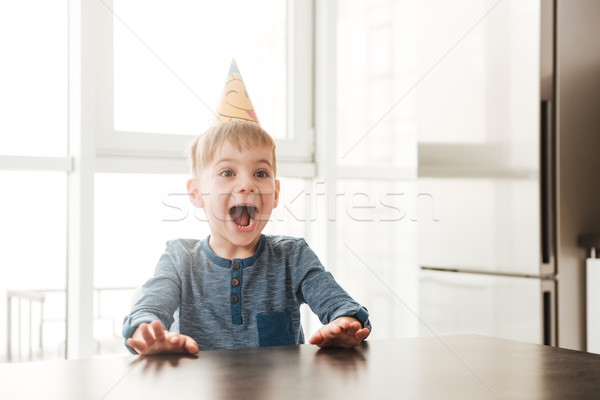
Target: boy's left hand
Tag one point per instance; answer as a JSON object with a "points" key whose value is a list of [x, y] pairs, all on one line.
{"points": [[341, 332]]}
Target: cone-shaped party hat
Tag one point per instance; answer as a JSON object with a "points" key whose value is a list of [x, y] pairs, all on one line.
{"points": [[235, 104]]}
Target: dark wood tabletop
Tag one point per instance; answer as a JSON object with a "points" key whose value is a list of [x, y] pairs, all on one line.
{"points": [[447, 367]]}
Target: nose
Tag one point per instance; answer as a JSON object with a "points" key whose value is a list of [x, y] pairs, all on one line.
{"points": [[246, 184]]}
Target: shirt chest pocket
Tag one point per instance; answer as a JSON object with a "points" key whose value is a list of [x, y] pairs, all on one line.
{"points": [[275, 329]]}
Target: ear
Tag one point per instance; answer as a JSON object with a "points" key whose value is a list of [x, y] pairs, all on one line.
{"points": [[194, 193], [277, 187]]}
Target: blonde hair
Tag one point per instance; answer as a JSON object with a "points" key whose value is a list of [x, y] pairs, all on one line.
{"points": [[241, 134]]}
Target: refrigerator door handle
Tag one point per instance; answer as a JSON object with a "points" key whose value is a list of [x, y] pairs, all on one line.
{"points": [[549, 316], [547, 168]]}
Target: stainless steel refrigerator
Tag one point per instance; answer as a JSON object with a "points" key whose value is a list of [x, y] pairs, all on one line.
{"points": [[508, 127]]}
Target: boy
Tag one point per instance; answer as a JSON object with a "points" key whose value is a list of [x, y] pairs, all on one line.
{"points": [[238, 288]]}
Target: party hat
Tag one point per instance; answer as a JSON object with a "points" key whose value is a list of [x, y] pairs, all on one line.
{"points": [[235, 104]]}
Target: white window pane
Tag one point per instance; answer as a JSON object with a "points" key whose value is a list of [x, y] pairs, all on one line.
{"points": [[376, 252], [135, 215], [290, 217], [169, 60], [376, 68], [33, 77], [33, 236]]}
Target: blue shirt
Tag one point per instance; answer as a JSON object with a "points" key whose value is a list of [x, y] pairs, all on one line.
{"points": [[237, 303]]}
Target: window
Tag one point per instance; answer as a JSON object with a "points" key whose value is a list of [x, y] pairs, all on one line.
{"points": [[33, 234], [376, 255], [376, 67], [33, 178], [165, 69], [374, 113], [158, 97], [33, 78], [164, 88], [135, 215]]}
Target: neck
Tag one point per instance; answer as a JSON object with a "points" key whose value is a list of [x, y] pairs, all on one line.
{"points": [[230, 251]]}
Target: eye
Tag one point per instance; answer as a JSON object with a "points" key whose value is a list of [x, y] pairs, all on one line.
{"points": [[227, 173], [261, 174]]}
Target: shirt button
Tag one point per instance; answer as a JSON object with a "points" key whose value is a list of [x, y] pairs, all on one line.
{"points": [[235, 282], [234, 299], [236, 266]]}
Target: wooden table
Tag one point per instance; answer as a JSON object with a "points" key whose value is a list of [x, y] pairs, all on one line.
{"points": [[447, 367]]}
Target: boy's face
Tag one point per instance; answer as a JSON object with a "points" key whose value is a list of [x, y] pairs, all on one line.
{"points": [[238, 192]]}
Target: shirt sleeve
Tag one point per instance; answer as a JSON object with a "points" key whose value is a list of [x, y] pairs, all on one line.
{"points": [[160, 297], [316, 287]]}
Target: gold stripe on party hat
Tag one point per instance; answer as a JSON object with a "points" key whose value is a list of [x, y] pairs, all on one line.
{"points": [[235, 104]]}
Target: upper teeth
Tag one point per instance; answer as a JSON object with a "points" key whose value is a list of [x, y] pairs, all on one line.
{"points": [[238, 211]]}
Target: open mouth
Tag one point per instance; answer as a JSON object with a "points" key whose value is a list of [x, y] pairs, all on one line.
{"points": [[243, 215]]}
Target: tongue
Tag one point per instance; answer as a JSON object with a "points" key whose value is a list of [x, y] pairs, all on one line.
{"points": [[244, 218]]}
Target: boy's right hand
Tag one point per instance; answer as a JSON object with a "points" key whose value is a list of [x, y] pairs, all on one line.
{"points": [[153, 339]]}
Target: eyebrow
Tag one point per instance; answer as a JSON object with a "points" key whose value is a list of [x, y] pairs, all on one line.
{"points": [[261, 161]]}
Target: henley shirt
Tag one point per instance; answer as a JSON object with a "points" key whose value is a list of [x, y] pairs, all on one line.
{"points": [[244, 302]]}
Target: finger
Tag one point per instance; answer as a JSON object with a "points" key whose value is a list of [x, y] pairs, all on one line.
{"points": [[355, 325], [362, 334], [147, 334], [352, 341], [347, 338], [157, 328], [352, 328], [342, 323], [191, 346], [332, 329], [330, 333], [324, 337], [137, 345], [175, 343], [181, 343], [316, 338], [173, 339]]}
